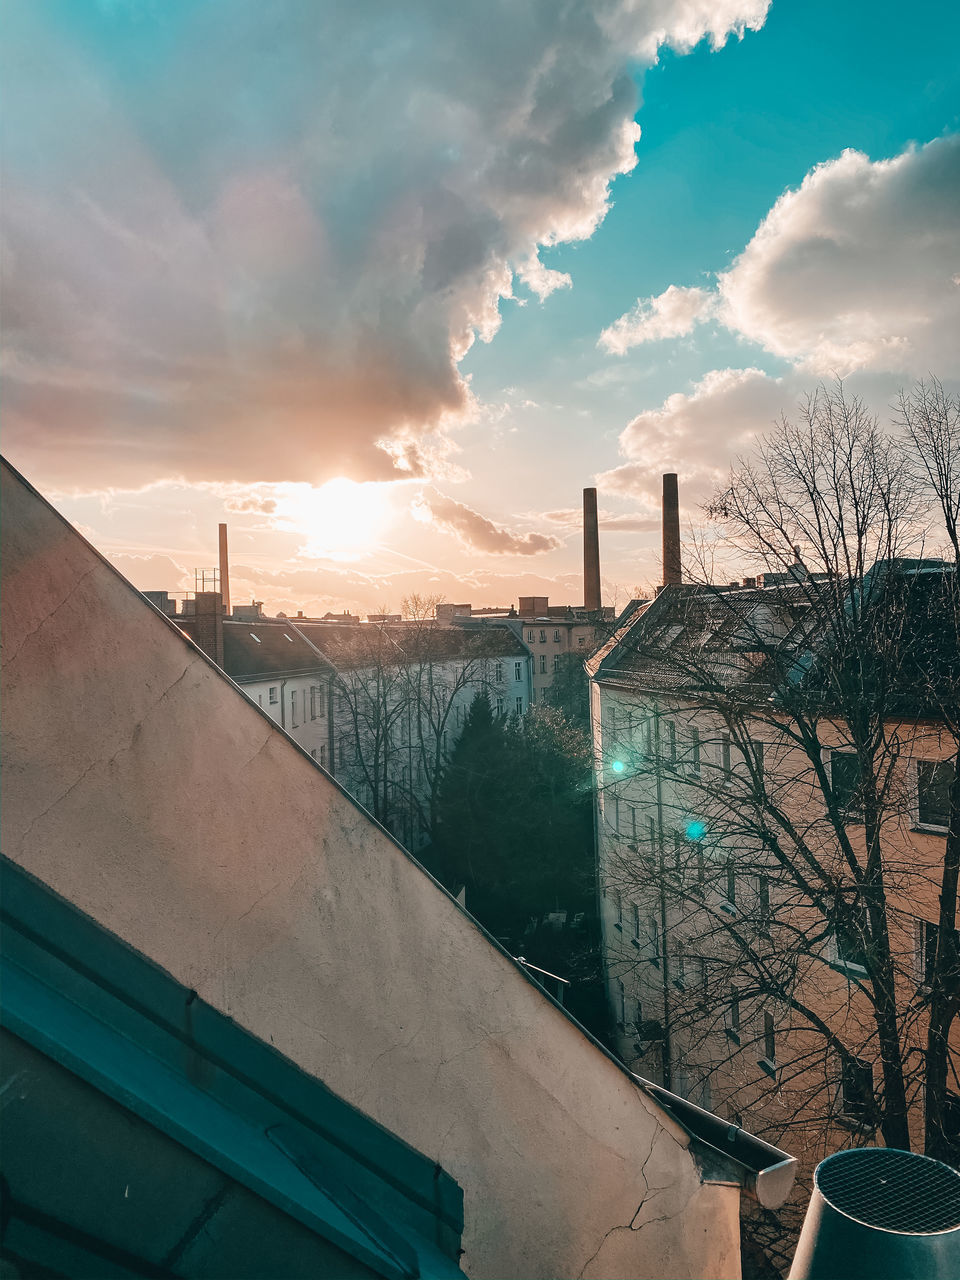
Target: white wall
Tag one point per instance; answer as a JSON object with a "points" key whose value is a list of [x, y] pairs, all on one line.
{"points": [[139, 785]]}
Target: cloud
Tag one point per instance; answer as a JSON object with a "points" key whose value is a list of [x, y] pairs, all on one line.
{"points": [[672, 314], [697, 433], [476, 531], [628, 522], [857, 268], [257, 250]]}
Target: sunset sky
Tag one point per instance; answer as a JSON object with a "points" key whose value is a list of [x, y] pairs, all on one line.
{"points": [[384, 285]]}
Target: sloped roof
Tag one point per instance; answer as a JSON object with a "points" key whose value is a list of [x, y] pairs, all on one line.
{"points": [[359, 646], [692, 637]]}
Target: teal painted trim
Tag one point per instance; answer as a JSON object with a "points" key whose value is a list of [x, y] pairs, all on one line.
{"points": [[58, 946]]}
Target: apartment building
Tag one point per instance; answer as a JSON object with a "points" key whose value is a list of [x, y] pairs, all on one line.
{"points": [[735, 859], [379, 706]]}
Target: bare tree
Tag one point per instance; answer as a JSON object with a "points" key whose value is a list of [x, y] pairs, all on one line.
{"points": [[401, 694], [759, 790]]}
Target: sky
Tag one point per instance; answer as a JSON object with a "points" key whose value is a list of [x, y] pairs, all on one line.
{"points": [[385, 286]]}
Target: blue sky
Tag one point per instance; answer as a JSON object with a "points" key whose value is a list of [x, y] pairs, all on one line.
{"points": [[243, 258]]}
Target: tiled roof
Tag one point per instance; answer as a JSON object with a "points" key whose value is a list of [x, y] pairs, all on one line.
{"points": [[694, 638]]}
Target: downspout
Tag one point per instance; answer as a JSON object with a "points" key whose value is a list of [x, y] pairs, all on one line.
{"points": [[667, 1054], [283, 704]]}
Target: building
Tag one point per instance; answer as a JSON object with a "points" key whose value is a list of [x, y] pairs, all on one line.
{"points": [[552, 635], [246, 1033], [734, 856], [379, 706]]}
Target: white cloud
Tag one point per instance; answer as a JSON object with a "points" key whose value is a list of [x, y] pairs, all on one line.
{"points": [[855, 269], [264, 254], [672, 314], [697, 433]]}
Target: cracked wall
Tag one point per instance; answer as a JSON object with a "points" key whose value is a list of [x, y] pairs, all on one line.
{"points": [[141, 785]]}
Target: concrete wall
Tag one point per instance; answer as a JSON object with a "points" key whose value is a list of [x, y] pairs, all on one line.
{"points": [[139, 784]]}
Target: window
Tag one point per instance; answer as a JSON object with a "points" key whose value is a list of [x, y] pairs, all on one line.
{"points": [[851, 953], [733, 1015], [934, 779], [616, 814], [653, 939], [272, 695], [769, 1041], [543, 664], [293, 708], [621, 1003], [323, 755], [518, 671], [856, 1088], [313, 753], [581, 641], [636, 922], [678, 969], [313, 702], [670, 739], [530, 635], [758, 757], [845, 780], [556, 637], [652, 830], [498, 671], [725, 765], [499, 706], [763, 905], [633, 823], [543, 637], [520, 706], [259, 699], [695, 750], [928, 934], [556, 662], [731, 884]]}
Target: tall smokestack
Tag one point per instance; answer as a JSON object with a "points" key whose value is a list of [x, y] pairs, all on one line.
{"points": [[591, 552], [672, 570], [224, 571]]}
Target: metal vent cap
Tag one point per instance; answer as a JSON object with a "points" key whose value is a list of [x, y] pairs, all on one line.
{"points": [[891, 1190]]}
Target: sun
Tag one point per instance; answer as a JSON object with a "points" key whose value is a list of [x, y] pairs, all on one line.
{"points": [[340, 520]]}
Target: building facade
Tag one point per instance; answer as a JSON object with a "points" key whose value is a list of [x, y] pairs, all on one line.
{"points": [[732, 859]]}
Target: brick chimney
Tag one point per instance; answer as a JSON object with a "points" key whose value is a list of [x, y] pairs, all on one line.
{"points": [[207, 630], [672, 570], [591, 552]]}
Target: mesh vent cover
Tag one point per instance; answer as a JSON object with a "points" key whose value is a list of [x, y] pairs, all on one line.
{"points": [[892, 1190]]}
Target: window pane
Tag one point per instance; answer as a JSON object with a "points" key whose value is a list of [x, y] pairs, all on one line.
{"points": [[934, 779], [845, 778]]}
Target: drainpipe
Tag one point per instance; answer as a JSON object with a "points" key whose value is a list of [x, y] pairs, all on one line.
{"points": [[283, 704], [667, 1054]]}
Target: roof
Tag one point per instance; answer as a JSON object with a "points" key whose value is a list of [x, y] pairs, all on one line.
{"points": [[362, 646], [700, 639]]}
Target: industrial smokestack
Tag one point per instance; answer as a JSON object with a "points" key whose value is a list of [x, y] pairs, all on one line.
{"points": [[224, 571], [672, 570], [591, 552]]}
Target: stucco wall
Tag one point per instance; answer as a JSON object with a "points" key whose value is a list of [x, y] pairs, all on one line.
{"points": [[143, 787]]}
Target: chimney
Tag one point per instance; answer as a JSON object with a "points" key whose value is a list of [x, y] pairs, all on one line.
{"points": [[224, 571], [207, 631], [591, 552], [672, 571]]}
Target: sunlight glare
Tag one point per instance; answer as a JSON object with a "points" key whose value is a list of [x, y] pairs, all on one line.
{"points": [[340, 520]]}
